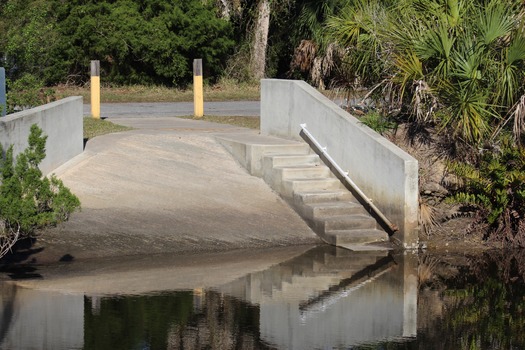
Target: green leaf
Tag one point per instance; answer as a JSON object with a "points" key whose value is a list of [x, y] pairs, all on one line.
{"points": [[494, 21]]}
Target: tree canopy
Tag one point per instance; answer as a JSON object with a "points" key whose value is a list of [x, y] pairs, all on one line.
{"points": [[154, 42], [135, 41]]}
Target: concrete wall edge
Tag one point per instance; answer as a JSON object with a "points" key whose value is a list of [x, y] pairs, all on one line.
{"points": [[61, 121]]}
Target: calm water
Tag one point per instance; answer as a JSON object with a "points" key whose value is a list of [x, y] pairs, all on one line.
{"points": [[326, 298]]}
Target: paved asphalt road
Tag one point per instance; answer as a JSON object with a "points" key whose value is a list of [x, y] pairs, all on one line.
{"points": [[175, 109]]}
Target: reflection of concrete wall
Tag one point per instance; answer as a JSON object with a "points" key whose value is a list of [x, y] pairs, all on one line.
{"points": [[44, 320], [369, 312], [372, 309], [382, 170], [410, 292]]}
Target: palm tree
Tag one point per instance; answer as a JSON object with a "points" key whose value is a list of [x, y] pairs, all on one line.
{"points": [[457, 63], [315, 53]]}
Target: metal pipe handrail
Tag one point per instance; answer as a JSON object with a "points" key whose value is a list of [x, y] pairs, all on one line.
{"points": [[365, 201]]}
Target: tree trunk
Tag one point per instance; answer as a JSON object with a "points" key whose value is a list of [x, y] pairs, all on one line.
{"points": [[260, 41]]}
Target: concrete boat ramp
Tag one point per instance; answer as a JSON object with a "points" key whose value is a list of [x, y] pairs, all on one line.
{"points": [[167, 186], [178, 185]]}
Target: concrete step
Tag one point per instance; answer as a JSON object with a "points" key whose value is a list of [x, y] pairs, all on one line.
{"points": [[361, 237], [322, 210], [290, 186], [285, 149], [302, 172], [250, 149], [300, 176], [323, 196], [290, 160], [346, 222]]}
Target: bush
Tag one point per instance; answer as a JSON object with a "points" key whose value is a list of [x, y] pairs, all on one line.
{"points": [[455, 64], [140, 42], [29, 201], [497, 187], [27, 92], [377, 122]]}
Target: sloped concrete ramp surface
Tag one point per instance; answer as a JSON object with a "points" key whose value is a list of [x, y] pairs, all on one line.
{"points": [[167, 187]]}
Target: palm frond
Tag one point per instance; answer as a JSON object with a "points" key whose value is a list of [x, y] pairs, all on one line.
{"points": [[312, 17], [468, 111], [516, 50], [348, 26], [466, 65], [508, 85], [427, 217], [304, 55], [436, 45], [494, 21], [410, 69]]}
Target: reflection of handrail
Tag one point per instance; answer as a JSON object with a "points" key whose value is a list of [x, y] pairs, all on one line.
{"points": [[346, 286], [343, 176]]}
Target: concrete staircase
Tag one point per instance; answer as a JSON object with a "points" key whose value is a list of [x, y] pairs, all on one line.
{"points": [[300, 177]]}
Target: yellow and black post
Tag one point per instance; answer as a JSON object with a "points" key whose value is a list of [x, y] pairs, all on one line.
{"points": [[198, 96], [95, 89]]}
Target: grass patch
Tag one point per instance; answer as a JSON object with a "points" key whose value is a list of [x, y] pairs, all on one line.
{"points": [[245, 122], [96, 127], [225, 90]]}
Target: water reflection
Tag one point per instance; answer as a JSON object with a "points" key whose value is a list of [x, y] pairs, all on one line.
{"points": [[332, 297], [40, 320], [327, 298], [473, 302]]}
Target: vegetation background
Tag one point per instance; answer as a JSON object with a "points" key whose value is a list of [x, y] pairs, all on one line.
{"points": [[444, 79]]}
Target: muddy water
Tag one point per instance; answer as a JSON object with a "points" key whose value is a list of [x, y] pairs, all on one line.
{"points": [[324, 298]]}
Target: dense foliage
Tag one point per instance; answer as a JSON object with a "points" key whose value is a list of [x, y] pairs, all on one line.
{"points": [[497, 186], [29, 201], [136, 41], [457, 64], [28, 91], [473, 302], [155, 41]]}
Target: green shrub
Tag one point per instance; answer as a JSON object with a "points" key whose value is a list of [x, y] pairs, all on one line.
{"points": [[455, 64], [377, 122], [497, 187], [27, 92], [29, 201]]}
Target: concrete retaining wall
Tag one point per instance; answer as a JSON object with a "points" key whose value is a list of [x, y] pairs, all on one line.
{"points": [[61, 121], [384, 172]]}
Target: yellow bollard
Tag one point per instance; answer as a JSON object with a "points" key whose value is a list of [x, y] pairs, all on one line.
{"points": [[95, 89], [198, 95]]}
